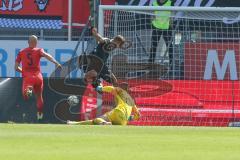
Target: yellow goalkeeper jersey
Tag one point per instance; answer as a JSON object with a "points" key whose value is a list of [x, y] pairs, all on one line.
{"points": [[124, 103]]}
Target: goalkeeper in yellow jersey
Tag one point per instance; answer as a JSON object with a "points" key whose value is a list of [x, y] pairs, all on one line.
{"points": [[121, 114]]}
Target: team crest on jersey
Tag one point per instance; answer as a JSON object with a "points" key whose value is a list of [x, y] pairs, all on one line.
{"points": [[42, 4]]}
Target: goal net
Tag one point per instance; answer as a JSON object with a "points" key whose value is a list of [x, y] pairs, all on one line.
{"points": [[187, 74]]}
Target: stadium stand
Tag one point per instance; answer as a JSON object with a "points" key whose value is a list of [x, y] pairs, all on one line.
{"points": [[30, 23]]}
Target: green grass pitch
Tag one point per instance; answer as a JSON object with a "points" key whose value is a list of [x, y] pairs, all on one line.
{"points": [[63, 142]]}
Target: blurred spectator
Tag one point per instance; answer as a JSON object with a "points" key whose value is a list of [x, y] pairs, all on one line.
{"points": [[161, 27]]}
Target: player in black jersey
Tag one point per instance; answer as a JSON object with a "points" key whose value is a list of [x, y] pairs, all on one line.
{"points": [[97, 59]]}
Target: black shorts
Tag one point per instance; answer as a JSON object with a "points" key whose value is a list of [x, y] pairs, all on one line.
{"points": [[105, 74], [91, 62]]}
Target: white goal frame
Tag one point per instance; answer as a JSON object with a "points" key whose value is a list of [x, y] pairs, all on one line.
{"points": [[193, 82], [158, 8]]}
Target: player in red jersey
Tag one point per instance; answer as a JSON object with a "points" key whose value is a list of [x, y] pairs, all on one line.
{"points": [[31, 72]]}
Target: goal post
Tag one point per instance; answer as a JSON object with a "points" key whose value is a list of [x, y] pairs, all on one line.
{"points": [[193, 79]]}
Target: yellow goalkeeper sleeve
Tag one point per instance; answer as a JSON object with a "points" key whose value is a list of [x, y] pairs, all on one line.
{"points": [[108, 89]]}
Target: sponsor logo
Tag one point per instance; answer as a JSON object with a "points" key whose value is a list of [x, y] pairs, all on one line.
{"points": [[42, 4], [11, 5], [229, 61]]}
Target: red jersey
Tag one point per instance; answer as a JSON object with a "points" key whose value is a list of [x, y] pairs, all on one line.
{"points": [[30, 59]]}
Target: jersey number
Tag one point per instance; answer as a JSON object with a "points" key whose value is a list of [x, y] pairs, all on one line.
{"points": [[30, 60]]}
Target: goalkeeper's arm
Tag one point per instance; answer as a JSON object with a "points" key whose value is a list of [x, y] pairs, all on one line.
{"points": [[108, 89]]}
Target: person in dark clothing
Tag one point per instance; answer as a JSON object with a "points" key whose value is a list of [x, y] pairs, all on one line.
{"points": [[96, 61]]}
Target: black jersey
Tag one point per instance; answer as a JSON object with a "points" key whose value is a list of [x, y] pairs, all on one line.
{"points": [[100, 53]]}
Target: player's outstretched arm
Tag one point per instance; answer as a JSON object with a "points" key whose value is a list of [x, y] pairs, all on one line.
{"points": [[108, 89], [97, 36], [17, 67], [51, 59]]}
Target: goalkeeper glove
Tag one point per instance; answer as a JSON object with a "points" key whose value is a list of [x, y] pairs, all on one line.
{"points": [[130, 118], [99, 89], [96, 83], [134, 117], [137, 116]]}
